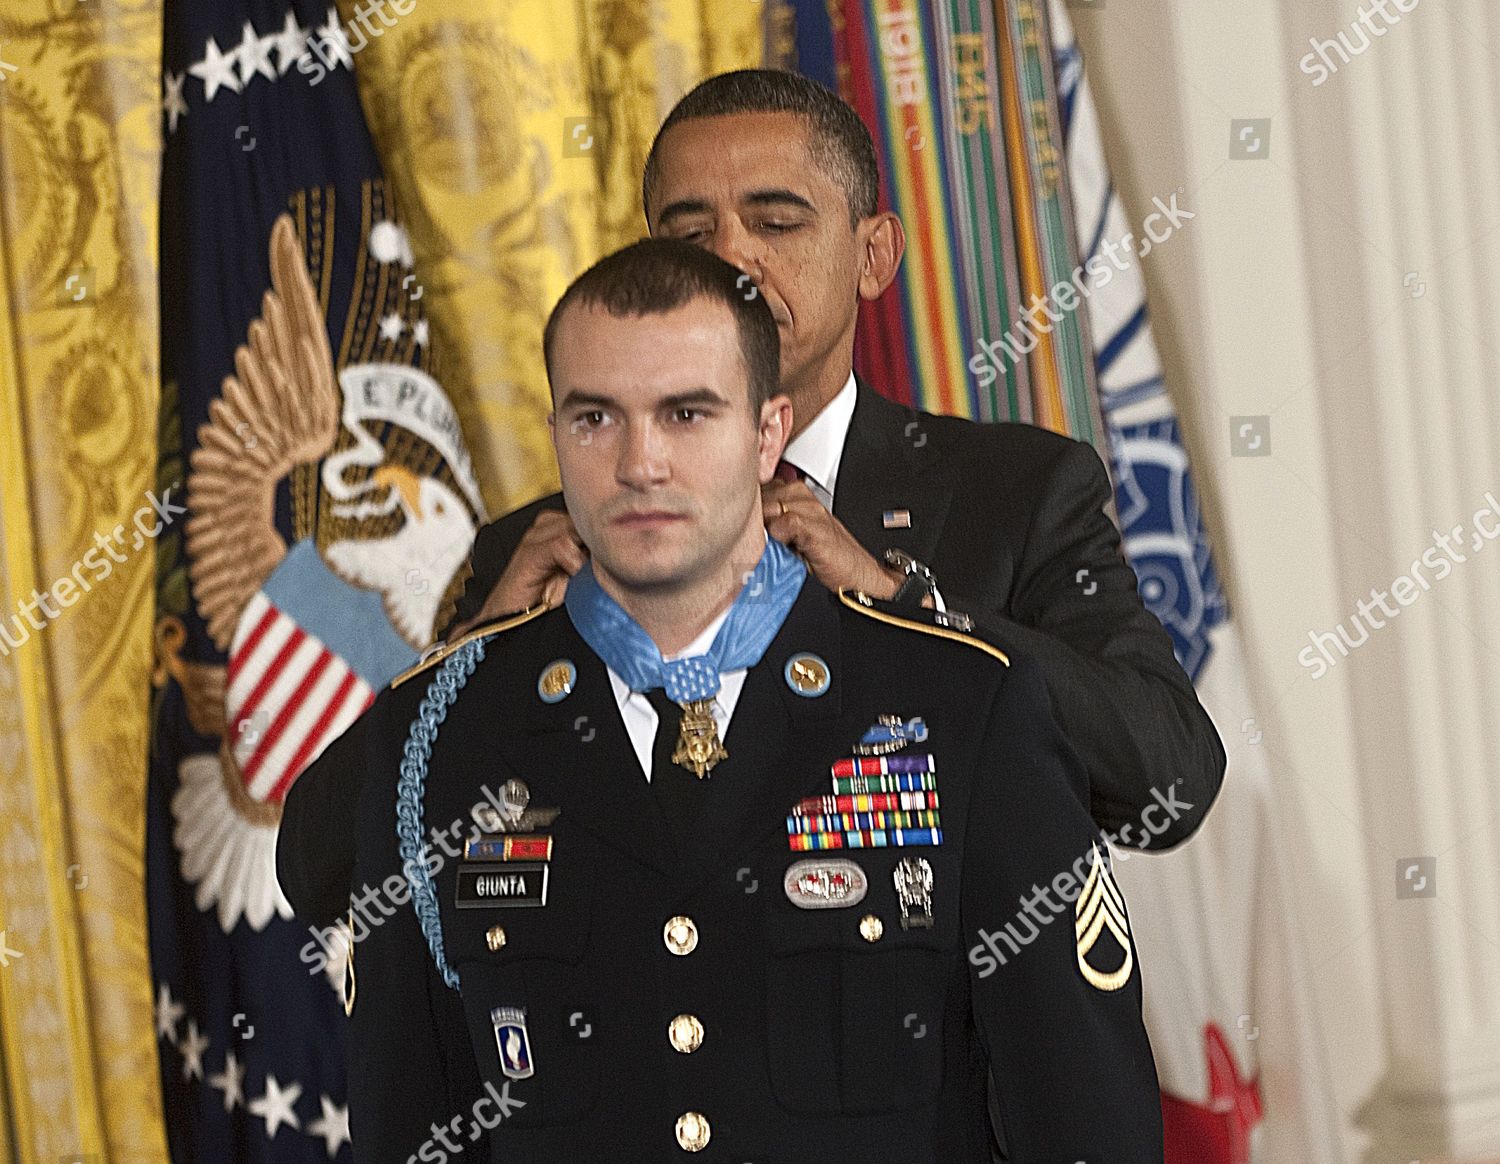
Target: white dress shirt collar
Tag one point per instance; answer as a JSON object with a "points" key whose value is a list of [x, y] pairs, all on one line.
{"points": [[818, 449]]}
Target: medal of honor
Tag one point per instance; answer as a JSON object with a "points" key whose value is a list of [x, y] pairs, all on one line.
{"points": [[698, 744], [753, 619]]}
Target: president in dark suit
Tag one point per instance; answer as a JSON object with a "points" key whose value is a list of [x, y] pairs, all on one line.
{"points": [[776, 175], [746, 869]]}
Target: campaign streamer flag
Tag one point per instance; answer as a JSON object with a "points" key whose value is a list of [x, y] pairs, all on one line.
{"points": [[329, 505], [1228, 1001], [960, 98]]}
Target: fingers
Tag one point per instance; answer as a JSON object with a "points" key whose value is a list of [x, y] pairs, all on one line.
{"points": [[796, 519], [552, 520], [792, 492], [497, 605], [784, 524], [569, 553], [555, 591], [556, 539], [548, 553], [790, 510], [553, 541]]}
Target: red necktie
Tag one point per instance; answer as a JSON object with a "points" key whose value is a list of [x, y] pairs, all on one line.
{"points": [[786, 471]]}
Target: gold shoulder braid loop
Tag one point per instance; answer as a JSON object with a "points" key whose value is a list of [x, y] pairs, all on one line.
{"points": [[436, 654], [862, 602]]}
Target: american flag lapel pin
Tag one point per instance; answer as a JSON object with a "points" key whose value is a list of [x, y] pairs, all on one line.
{"points": [[896, 519]]}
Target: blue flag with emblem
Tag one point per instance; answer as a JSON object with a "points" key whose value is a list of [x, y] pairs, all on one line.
{"points": [[331, 503]]}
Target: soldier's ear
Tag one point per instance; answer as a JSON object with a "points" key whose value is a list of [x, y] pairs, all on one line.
{"points": [[775, 432]]}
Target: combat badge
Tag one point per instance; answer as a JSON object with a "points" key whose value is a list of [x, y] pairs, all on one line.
{"points": [[890, 734], [827, 884], [513, 1041], [1101, 907], [913, 878]]}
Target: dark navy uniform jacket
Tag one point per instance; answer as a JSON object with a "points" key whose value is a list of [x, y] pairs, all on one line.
{"points": [[817, 1044]]}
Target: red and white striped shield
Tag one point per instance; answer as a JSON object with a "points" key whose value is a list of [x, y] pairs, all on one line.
{"points": [[288, 696]]}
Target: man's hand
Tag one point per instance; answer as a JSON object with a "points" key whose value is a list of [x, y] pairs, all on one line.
{"points": [[798, 520], [548, 554]]}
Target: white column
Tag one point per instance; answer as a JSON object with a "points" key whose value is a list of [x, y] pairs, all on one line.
{"points": [[1346, 287], [1417, 119]]}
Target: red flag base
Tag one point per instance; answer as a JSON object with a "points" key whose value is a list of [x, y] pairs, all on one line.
{"points": [[1217, 1132]]}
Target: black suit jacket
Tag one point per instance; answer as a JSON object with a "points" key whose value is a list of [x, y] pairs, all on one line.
{"points": [[819, 1043], [1013, 521]]}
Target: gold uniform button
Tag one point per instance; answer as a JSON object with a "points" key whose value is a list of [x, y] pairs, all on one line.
{"points": [[685, 1033], [871, 928], [494, 938], [681, 935], [693, 1132]]}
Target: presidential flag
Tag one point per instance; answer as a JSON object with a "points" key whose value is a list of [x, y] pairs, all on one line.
{"points": [[329, 506]]}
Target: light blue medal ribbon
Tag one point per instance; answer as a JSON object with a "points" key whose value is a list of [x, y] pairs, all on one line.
{"points": [[754, 619]]}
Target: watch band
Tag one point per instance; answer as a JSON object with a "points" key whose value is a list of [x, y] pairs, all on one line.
{"points": [[918, 583], [911, 591]]}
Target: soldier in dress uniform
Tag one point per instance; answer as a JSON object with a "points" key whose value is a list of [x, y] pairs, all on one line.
{"points": [[710, 861]]}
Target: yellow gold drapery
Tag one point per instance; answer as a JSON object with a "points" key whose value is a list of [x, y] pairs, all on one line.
{"points": [[514, 135], [79, 157]]}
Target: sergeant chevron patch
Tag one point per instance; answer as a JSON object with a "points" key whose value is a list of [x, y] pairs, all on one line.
{"points": [[1101, 907]]}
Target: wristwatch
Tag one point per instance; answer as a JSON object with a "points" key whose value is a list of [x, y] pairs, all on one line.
{"points": [[918, 583]]}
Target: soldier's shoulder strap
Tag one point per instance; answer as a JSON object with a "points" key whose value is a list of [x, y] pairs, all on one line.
{"points": [[436, 653], [943, 624]]}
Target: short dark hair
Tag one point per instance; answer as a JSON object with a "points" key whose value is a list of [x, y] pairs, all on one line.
{"points": [[838, 139], [655, 276]]}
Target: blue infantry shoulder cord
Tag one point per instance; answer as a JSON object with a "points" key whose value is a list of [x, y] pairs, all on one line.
{"points": [[442, 691]]}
